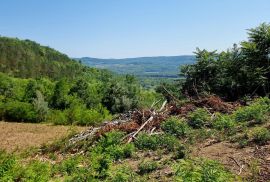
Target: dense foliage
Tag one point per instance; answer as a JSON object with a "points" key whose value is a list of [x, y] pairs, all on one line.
{"points": [[40, 84], [237, 72]]}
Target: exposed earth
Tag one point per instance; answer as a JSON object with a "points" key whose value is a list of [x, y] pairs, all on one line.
{"points": [[16, 137]]}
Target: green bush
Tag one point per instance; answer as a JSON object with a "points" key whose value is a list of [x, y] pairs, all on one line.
{"points": [[198, 118], [144, 141], [111, 145], [100, 163], [57, 117], [175, 126], [67, 166], [19, 111], [260, 135], [256, 112], [94, 116], [8, 167], [120, 151], [37, 171], [201, 170], [224, 122], [123, 174], [147, 167], [111, 139], [180, 152], [153, 142], [12, 170], [169, 142]]}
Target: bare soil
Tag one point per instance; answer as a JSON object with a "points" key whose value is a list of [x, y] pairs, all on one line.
{"points": [[16, 137], [240, 161]]}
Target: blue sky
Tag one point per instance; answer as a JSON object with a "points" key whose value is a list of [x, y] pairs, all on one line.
{"points": [[132, 28]]}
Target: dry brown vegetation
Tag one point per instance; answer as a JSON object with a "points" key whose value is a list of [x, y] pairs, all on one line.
{"points": [[20, 136]]}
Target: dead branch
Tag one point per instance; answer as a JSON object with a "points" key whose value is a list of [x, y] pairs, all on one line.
{"points": [[154, 103], [142, 126], [163, 105], [235, 161], [146, 122]]}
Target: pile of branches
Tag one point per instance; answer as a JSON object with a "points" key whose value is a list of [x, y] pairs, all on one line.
{"points": [[133, 123], [150, 120]]}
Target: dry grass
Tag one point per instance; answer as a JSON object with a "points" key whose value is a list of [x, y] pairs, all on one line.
{"points": [[16, 137]]}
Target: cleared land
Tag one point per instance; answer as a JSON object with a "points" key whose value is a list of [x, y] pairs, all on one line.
{"points": [[20, 136]]}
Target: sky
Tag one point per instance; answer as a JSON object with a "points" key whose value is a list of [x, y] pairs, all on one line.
{"points": [[132, 28]]}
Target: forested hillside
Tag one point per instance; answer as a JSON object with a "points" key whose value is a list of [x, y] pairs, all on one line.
{"points": [[40, 84], [28, 59]]}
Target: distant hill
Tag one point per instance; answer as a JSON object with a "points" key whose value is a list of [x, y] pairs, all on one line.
{"points": [[28, 59], [163, 66]]}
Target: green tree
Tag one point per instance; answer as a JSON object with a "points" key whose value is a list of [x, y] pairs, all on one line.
{"points": [[60, 98]]}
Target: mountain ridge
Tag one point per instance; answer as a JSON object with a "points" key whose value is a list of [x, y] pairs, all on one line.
{"points": [[156, 66]]}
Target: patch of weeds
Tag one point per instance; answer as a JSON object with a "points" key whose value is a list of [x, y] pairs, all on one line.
{"points": [[8, 167], [169, 142], [100, 163], [256, 113], [147, 167], [242, 139], [144, 141], [260, 135], [180, 152], [175, 126], [120, 151], [224, 122], [153, 142], [198, 118], [37, 171], [111, 138], [201, 170], [254, 167], [123, 174], [202, 134], [67, 166]]}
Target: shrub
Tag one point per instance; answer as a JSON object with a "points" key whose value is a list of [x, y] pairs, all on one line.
{"points": [[19, 111], [153, 142], [198, 118], [180, 152], [8, 167], [120, 151], [111, 139], [169, 142], [255, 112], [37, 171], [260, 135], [123, 174], [111, 145], [223, 122], [175, 127], [100, 163], [147, 167], [201, 170], [67, 166], [144, 141], [57, 117], [93, 116]]}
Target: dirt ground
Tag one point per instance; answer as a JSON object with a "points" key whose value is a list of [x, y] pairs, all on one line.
{"points": [[15, 137], [239, 160]]}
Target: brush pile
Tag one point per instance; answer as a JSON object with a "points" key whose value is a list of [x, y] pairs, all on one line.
{"points": [[150, 120]]}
